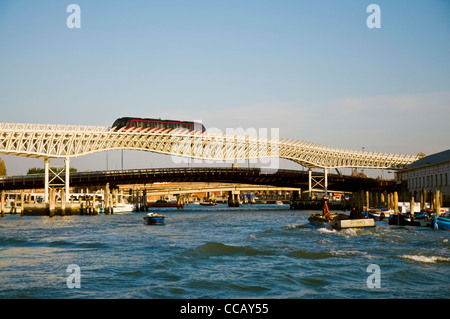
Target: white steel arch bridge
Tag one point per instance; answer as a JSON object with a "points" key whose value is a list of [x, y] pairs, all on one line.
{"points": [[67, 141]]}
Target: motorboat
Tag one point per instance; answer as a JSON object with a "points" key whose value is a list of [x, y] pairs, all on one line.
{"points": [[154, 219], [341, 221]]}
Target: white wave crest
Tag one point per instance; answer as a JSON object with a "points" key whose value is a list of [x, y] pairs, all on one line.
{"points": [[325, 230], [426, 259]]}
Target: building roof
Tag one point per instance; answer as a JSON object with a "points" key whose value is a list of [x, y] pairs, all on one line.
{"points": [[431, 159]]}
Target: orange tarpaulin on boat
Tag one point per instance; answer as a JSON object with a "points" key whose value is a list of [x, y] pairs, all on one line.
{"points": [[326, 211]]}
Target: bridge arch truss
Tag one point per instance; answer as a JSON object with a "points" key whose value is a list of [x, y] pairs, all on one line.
{"points": [[67, 141]]}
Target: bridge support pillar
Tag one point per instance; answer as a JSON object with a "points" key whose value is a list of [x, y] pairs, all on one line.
{"points": [[67, 180], [310, 183], [56, 179], [233, 199], [318, 181], [46, 181]]}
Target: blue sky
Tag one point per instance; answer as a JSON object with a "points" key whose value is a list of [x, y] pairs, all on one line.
{"points": [[313, 69]]}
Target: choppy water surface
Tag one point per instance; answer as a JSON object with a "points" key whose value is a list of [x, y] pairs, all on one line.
{"points": [[260, 251]]}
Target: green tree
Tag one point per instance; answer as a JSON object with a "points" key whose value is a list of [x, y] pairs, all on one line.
{"points": [[36, 170], [2, 168]]}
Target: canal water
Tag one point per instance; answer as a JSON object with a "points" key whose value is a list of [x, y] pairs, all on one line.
{"points": [[259, 251]]}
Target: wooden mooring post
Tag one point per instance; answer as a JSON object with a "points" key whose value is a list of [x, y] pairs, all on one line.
{"points": [[438, 202], [107, 200], [367, 201], [393, 205], [63, 202], [51, 203], [3, 204], [423, 199], [180, 201]]}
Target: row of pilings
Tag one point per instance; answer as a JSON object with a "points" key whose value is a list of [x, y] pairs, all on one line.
{"points": [[361, 200], [104, 201], [365, 200]]}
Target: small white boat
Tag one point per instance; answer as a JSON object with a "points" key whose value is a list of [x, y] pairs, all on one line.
{"points": [[279, 202], [124, 208]]}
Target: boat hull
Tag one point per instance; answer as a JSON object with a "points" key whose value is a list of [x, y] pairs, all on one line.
{"points": [[162, 204], [208, 204], [442, 223], [154, 219], [404, 219], [353, 223], [341, 221], [378, 216]]}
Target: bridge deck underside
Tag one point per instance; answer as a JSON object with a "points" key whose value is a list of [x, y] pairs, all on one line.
{"points": [[281, 178]]}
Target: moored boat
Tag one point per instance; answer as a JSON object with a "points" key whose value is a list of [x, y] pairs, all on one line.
{"points": [[208, 203], [423, 219], [154, 219], [441, 222], [162, 203], [378, 214]]}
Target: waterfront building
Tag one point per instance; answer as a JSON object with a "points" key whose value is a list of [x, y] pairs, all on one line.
{"points": [[430, 172]]}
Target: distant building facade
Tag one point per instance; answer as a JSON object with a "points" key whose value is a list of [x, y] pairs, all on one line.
{"points": [[430, 172]]}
